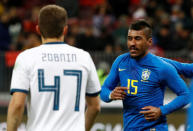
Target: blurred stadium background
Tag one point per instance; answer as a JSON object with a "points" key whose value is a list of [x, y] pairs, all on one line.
{"points": [[100, 27]]}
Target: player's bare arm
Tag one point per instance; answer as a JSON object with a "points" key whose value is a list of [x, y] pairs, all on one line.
{"points": [[15, 111], [118, 93], [93, 108]]}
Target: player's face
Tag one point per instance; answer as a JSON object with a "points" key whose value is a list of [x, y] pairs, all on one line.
{"points": [[138, 43]]}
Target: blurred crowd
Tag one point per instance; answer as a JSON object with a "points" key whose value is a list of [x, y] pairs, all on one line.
{"points": [[101, 25]]}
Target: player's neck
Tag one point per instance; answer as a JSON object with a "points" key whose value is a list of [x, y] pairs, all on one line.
{"points": [[47, 40]]}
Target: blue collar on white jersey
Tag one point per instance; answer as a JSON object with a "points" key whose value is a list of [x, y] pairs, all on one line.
{"points": [[50, 43]]}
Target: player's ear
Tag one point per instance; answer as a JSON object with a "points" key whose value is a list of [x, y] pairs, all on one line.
{"points": [[38, 30], [65, 30], [149, 41]]}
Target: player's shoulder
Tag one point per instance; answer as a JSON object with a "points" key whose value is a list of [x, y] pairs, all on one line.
{"points": [[123, 56], [26, 57], [78, 50], [165, 69], [26, 53], [161, 64]]}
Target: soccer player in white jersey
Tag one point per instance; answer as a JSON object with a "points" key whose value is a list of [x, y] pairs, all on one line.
{"points": [[57, 80]]}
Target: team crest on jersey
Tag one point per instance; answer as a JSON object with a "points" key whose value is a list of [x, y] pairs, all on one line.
{"points": [[145, 74]]}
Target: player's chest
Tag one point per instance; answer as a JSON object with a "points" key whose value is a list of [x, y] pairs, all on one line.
{"points": [[138, 78]]}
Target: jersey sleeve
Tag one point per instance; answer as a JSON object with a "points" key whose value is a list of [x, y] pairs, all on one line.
{"points": [[111, 81], [185, 69], [93, 84], [171, 79], [190, 109], [20, 76]]}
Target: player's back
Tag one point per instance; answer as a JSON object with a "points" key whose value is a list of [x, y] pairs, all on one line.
{"points": [[58, 76]]}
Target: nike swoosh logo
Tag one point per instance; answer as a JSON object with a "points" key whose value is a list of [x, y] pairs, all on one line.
{"points": [[121, 69]]}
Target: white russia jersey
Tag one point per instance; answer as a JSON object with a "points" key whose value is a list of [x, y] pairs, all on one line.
{"points": [[56, 78]]}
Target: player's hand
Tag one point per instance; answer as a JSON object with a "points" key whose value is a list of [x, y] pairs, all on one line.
{"points": [[151, 113], [118, 93]]}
